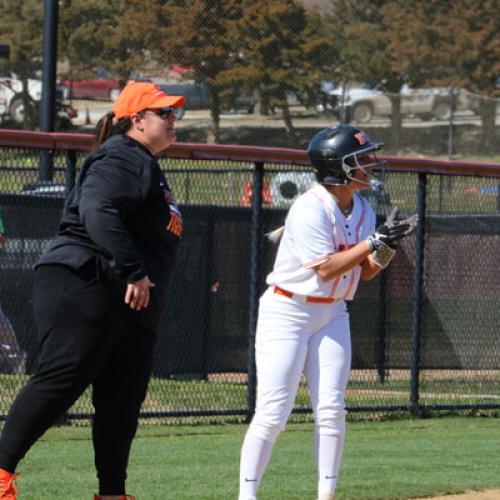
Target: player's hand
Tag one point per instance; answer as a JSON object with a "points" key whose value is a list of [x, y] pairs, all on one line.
{"points": [[138, 293], [392, 230]]}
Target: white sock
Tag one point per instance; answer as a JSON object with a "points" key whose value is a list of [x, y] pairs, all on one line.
{"points": [[255, 455], [327, 496], [328, 456]]}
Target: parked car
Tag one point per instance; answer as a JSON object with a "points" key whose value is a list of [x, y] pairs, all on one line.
{"points": [[361, 104], [12, 103], [197, 97], [97, 88], [48, 189], [476, 99]]}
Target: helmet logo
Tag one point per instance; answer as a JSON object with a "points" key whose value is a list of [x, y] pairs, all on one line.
{"points": [[361, 137]]}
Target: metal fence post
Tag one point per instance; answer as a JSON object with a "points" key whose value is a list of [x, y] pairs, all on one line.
{"points": [[207, 299], [418, 297], [451, 120], [187, 189], [70, 170], [380, 354], [258, 176], [47, 105]]}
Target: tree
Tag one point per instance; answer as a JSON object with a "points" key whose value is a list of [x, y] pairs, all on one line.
{"points": [[21, 27], [286, 53], [470, 50], [117, 35], [441, 42], [365, 51], [202, 34], [415, 37]]}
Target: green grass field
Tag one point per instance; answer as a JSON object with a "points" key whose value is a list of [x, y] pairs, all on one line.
{"points": [[164, 395], [217, 182], [394, 459]]}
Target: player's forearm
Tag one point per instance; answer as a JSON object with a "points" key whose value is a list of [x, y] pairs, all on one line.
{"points": [[342, 262], [369, 269]]}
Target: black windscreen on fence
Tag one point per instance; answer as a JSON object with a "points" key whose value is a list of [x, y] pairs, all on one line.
{"points": [[206, 324]]}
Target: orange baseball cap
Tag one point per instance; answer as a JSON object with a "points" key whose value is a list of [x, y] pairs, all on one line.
{"points": [[138, 96]]}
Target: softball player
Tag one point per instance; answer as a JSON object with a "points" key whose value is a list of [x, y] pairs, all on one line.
{"points": [[327, 244]]}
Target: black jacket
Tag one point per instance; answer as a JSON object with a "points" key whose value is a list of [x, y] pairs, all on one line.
{"points": [[121, 214]]}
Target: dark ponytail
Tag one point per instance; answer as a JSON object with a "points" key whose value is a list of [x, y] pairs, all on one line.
{"points": [[105, 128]]}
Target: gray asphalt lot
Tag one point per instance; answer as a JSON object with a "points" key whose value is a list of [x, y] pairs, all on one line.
{"points": [[89, 112]]}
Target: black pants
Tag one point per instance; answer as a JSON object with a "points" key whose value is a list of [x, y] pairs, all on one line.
{"points": [[86, 337]]}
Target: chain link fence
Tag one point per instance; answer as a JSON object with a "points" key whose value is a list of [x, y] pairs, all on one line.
{"points": [[269, 73], [424, 333]]}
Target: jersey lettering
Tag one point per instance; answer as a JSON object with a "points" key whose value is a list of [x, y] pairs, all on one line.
{"points": [[175, 224]]}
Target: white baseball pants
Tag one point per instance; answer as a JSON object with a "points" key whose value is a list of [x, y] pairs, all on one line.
{"points": [[295, 337]]}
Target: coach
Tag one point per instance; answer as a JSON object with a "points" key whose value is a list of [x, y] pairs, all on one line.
{"points": [[99, 289]]}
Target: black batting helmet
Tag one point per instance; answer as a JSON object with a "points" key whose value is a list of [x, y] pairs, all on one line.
{"points": [[334, 152]]}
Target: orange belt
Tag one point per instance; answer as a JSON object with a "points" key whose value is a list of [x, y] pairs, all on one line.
{"points": [[308, 298]]}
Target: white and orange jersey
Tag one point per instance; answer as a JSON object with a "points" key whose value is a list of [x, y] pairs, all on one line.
{"points": [[315, 228]]}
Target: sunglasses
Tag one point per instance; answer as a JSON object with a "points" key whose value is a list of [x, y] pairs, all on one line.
{"points": [[163, 113]]}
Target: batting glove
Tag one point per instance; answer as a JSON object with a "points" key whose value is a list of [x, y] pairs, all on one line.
{"points": [[391, 231]]}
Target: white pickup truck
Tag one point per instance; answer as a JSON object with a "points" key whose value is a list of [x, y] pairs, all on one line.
{"points": [[11, 102], [11, 98], [360, 104]]}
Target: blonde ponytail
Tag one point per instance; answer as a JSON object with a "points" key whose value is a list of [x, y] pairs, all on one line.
{"points": [[276, 235]]}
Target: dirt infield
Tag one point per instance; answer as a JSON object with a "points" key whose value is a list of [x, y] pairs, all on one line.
{"points": [[469, 495]]}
